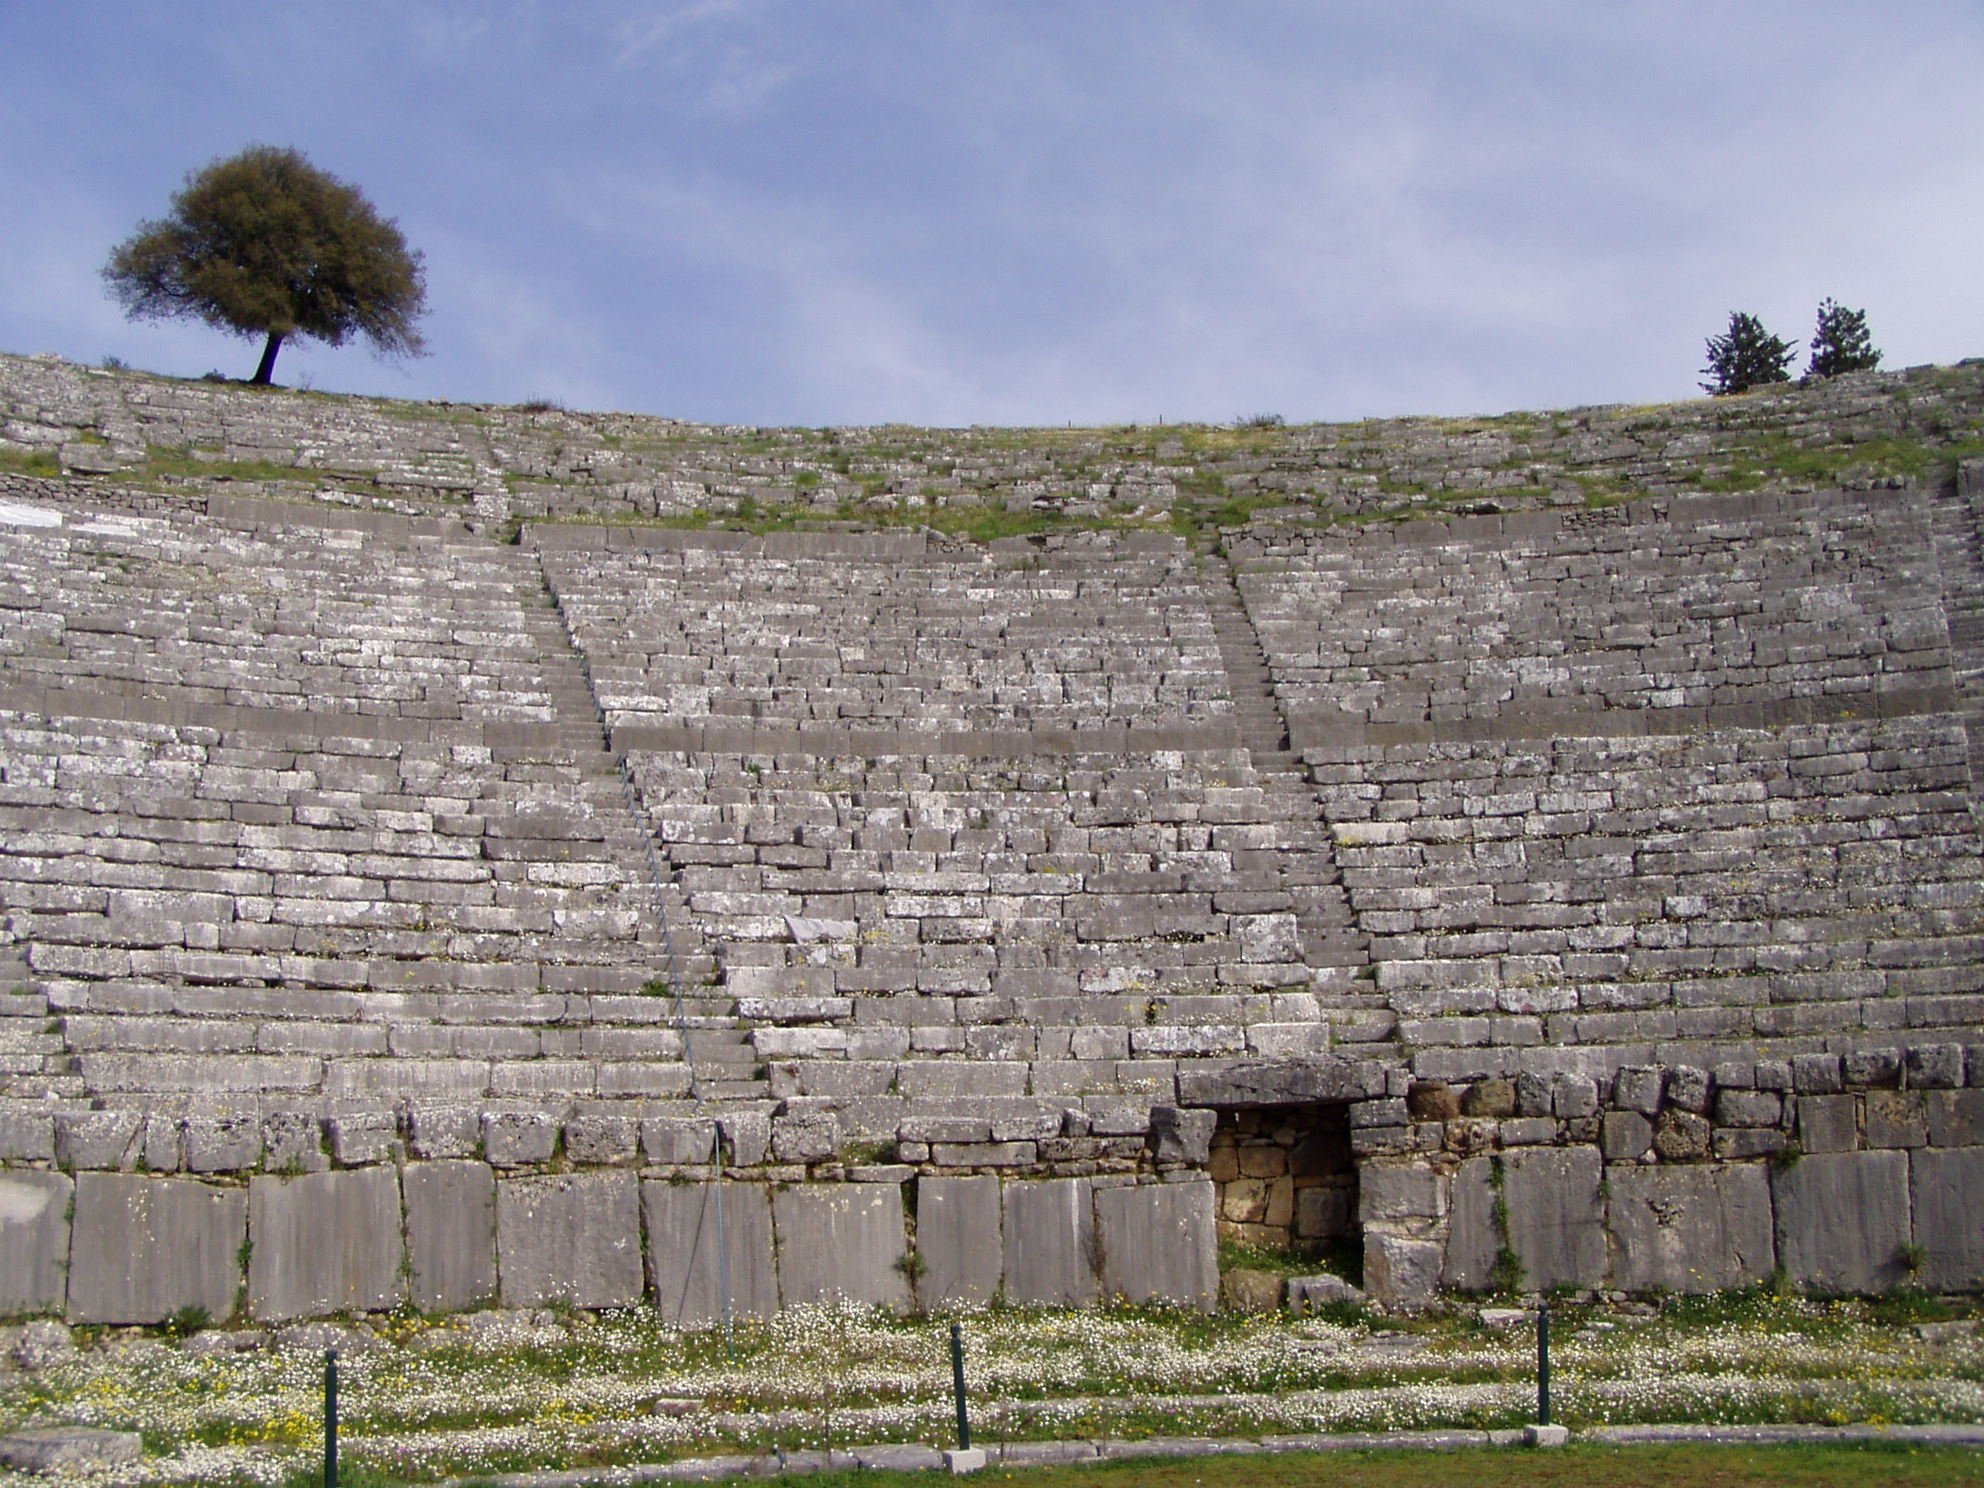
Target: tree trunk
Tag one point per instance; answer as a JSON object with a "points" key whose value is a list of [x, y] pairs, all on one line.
{"points": [[268, 368]]}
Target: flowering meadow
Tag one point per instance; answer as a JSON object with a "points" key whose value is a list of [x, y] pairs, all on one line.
{"points": [[431, 1398]]}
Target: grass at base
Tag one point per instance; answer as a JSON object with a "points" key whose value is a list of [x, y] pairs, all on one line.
{"points": [[1581, 1465]]}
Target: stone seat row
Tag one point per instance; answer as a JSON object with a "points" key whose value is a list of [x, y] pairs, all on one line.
{"points": [[1123, 869], [1803, 882], [146, 850], [1835, 597], [723, 633], [295, 617]]}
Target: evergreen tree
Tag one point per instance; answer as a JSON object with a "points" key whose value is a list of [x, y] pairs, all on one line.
{"points": [[1842, 344], [1746, 356], [265, 244]]}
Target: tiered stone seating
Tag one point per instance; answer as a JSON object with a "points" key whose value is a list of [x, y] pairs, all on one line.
{"points": [[864, 852], [1709, 602], [290, 821], [1687, 896], [1615, 789], [269, 610], [328, 919], [803, 630]]}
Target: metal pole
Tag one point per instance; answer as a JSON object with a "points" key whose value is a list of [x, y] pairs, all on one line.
{"points": [[723, 1251], [330, 1418], [957, 1379], [1543, 1365]]}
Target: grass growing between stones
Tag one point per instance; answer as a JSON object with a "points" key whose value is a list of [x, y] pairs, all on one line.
{"points": [[505, 1391]]}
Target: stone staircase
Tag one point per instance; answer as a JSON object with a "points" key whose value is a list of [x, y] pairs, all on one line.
{"points": [[1954, 518], [1334, 948], [34, 1064], [726, 1066]]}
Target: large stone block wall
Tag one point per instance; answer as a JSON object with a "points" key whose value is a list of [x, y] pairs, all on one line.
{"points": [[396, 1226], [1852, 1173]]}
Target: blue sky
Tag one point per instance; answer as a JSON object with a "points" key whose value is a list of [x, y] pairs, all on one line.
{"points": [[1035, 211]]}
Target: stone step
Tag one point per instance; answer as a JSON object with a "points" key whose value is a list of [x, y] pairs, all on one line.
{"points": [[732, 1090]]}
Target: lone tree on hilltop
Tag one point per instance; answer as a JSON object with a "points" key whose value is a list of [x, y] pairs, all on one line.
{"points": [[1842, 344], [265, 244], [1746, 356]]}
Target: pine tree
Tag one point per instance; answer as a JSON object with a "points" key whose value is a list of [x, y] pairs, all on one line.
{"points": [[1746, 356], [1842, 344], [265, 244]]}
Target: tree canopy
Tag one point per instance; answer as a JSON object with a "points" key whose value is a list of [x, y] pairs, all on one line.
{"points": [[1746, 356], [1842, 343], [265, 244]]}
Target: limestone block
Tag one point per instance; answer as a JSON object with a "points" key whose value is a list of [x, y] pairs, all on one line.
{"points": [[519, 1139], [1158, 1243], [1947, 1185], [1682, 1136], [360, 1138], [685, 1263], [1050, 1242], [676, 1140], [1181, 1136], [444, 1131], [1816, 1074], [841, 1240], [1872, 1067], [805, 1135], [1934, 1066], [1555, 1219], [607, 1140], [187, 1236], [451, 1233], [1956, 1118], [573, 1238], [1626, 1135], [1432, 1100], [1828, 1123], [1490, 1098], [95, 1139], [1688, 1088], [1532, 1095], [65, 1451], [293, 1142], [34, 1240], [325, 1243], [747, 1137], [1282, 1083], [1398, 1269], [1694, 1229], [1841, 1220], [1394, 1192], [223, 1144], [1637, 1087], [959, 1237], [1573, 1098], [1748, 1108], [161, 1144], [1896, 1118], [1308, 1293], [27, 1136]]}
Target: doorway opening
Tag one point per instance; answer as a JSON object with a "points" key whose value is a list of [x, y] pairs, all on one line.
{"points": [[1286, 1182]]}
